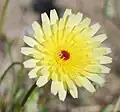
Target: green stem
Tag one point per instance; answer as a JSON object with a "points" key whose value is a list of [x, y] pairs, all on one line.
{"points": [[3, 13], [28, 94], [5, 73]]}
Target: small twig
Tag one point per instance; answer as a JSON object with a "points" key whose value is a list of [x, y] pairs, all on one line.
{"points": [[117, 105], [28, 94], [3, 13], [5, 73]]}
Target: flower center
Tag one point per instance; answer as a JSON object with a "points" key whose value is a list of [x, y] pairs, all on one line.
{"points": [[65, 55]]}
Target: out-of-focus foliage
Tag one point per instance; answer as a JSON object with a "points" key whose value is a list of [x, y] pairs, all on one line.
{"points": [[109, 8]]}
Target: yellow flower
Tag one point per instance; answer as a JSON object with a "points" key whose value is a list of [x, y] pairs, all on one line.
{"points": [[66, 52]]}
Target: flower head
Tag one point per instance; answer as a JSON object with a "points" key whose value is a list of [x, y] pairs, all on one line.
{"points": [[66, 52]]}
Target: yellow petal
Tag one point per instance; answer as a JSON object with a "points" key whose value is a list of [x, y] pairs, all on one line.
{"points": [[101, 51], [74, 20], [53, 16], [54, 87], [26, 50], [46, 24], [37, 54], [29, 41], [42, 80], [104, 59], [77, 81], [33, 72], [64, 20], [54, 76], [67, 13], [71, 86], [79, 16], [45, 71], [62, 92], [86, 84], [85, 23], [104, 69], [96, 78], [100, 38], [31, 63], [74, 92], [94, 29], [33, 52], [93, 68], [38, 34], [61, 23]]}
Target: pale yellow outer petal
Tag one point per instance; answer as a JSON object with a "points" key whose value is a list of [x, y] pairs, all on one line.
{"points": [[38, 33], [61, 24], [96, 78], [45, 71], [33, 52], [33, 72], [74, 20], [26, 50], [94, 29], [29, 41], [104, 69], [54, 76], [62, 92], [101, 51], [54, 87], [86, 84], [93, 68], [77, 81], [104, 59], [74, 92], [42, 80], [53, 16], [46, 24], [62, 21], [100, 38], [67, 13], [31, 63], [79, 16], [72, 88], [85, 23]]}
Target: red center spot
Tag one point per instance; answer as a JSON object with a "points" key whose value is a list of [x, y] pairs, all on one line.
{"points": [[65, 55]]}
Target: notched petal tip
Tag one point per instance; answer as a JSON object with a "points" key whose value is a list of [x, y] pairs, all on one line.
{"points": [[96, 78], [46, 24], [67, 12], [26, 50], [105, 59], [31, 63], [101, 37], [87, 84], [35, 25], [74, 92], [54, 87], [42, 80], [94, 29], [104, 69], [53, 16], [29, 41], [62, 92], [33, 72], [85, 22]]}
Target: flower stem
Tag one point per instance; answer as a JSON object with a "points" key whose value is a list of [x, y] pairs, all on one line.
{"points": [[28, 94], [5, 73], [3, 13]]}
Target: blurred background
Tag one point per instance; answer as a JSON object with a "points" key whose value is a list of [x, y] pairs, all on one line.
{"points": [[16, 17]]}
